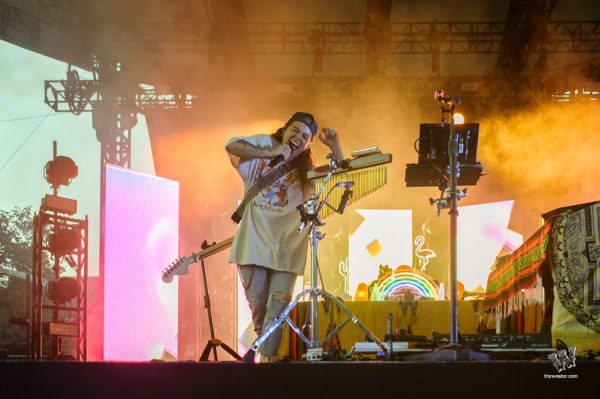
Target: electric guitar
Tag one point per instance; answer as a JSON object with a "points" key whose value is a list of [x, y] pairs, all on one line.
{"points": [[181, 266]]}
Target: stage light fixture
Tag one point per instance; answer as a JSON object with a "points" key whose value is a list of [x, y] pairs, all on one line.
{"points": [[62, 290], [362, 292], [64, 241], [60, 171], [459, 119], [54, 203]]}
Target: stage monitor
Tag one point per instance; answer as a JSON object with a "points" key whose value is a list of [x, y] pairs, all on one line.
{"points": [[433, 165], [433, 143]]}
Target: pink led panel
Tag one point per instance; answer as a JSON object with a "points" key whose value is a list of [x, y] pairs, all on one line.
{"points": [[141, 239]]}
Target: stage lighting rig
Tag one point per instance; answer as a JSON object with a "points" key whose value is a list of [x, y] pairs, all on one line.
{"points": [[59, 306], [63, 290], [64, 241], [60, 171]]}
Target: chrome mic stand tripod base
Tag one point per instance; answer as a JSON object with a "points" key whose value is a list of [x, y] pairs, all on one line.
{"points": [[315, 347]]}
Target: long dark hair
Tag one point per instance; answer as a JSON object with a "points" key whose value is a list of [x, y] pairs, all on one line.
{"points": [[302, 163]]}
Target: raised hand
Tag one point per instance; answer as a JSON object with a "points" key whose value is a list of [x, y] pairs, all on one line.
{"points": [[329, 137]]}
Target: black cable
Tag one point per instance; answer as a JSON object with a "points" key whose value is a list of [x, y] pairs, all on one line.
{"points": [[434, 166], [25, 141], [324, 202], [28, 117]]}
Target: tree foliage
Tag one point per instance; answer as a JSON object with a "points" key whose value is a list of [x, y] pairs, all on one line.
{"points": [[16, 240], [16, 260]]}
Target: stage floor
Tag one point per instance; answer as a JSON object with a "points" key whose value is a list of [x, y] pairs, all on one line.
{"points": [[352, 379]]}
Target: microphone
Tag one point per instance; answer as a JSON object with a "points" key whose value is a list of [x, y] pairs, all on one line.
{"points": [[280, 158], [344, 201], [345, 184], [303, 218], [439, 96]]}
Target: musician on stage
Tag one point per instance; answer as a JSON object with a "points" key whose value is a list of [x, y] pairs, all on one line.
{"points": [[267, 248]]}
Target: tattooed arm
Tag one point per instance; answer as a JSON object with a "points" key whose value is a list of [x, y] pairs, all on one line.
{"points": [[243, 149]]}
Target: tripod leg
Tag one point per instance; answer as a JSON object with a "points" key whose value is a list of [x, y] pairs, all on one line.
{"points": [[230, 351], [283, 316], [354, 319], [208, 309], [212, 345], [206, 351]]}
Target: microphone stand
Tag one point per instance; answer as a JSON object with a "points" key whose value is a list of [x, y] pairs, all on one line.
{"points": [[309, 213], [453, 351], [453, 197]]}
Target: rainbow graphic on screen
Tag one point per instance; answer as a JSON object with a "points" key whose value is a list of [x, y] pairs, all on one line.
{"points": [[402, 279]]}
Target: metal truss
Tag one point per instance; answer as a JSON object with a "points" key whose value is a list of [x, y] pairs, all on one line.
{"points": [[113, 117], [574, 37], [406, 37], [45, 312], [59, 96], [331, 38], [414, 37], [446, 37]]}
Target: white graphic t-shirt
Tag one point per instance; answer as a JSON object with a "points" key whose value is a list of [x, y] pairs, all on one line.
{"points": [[267, 234]]}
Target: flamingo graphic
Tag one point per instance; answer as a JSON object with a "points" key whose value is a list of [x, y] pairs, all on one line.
{"points": [[423, 254]]}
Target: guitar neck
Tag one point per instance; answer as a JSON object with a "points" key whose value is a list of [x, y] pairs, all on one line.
{"points": [[213, 249]]}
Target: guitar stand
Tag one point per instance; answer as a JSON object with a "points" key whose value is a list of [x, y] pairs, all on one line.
{"points": [[213, 343]]}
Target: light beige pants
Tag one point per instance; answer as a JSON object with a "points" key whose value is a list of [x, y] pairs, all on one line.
{"points": [[268, 293]]}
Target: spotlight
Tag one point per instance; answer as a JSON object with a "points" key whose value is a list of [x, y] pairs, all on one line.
{"points": [[64, 241], [62, 290], [459, 119], [60, 171]]}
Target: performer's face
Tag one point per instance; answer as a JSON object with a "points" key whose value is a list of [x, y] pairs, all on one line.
{"points": [[299, 134]]}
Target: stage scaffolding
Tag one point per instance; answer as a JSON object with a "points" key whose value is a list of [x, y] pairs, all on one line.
{"points": [[56, 318]]}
